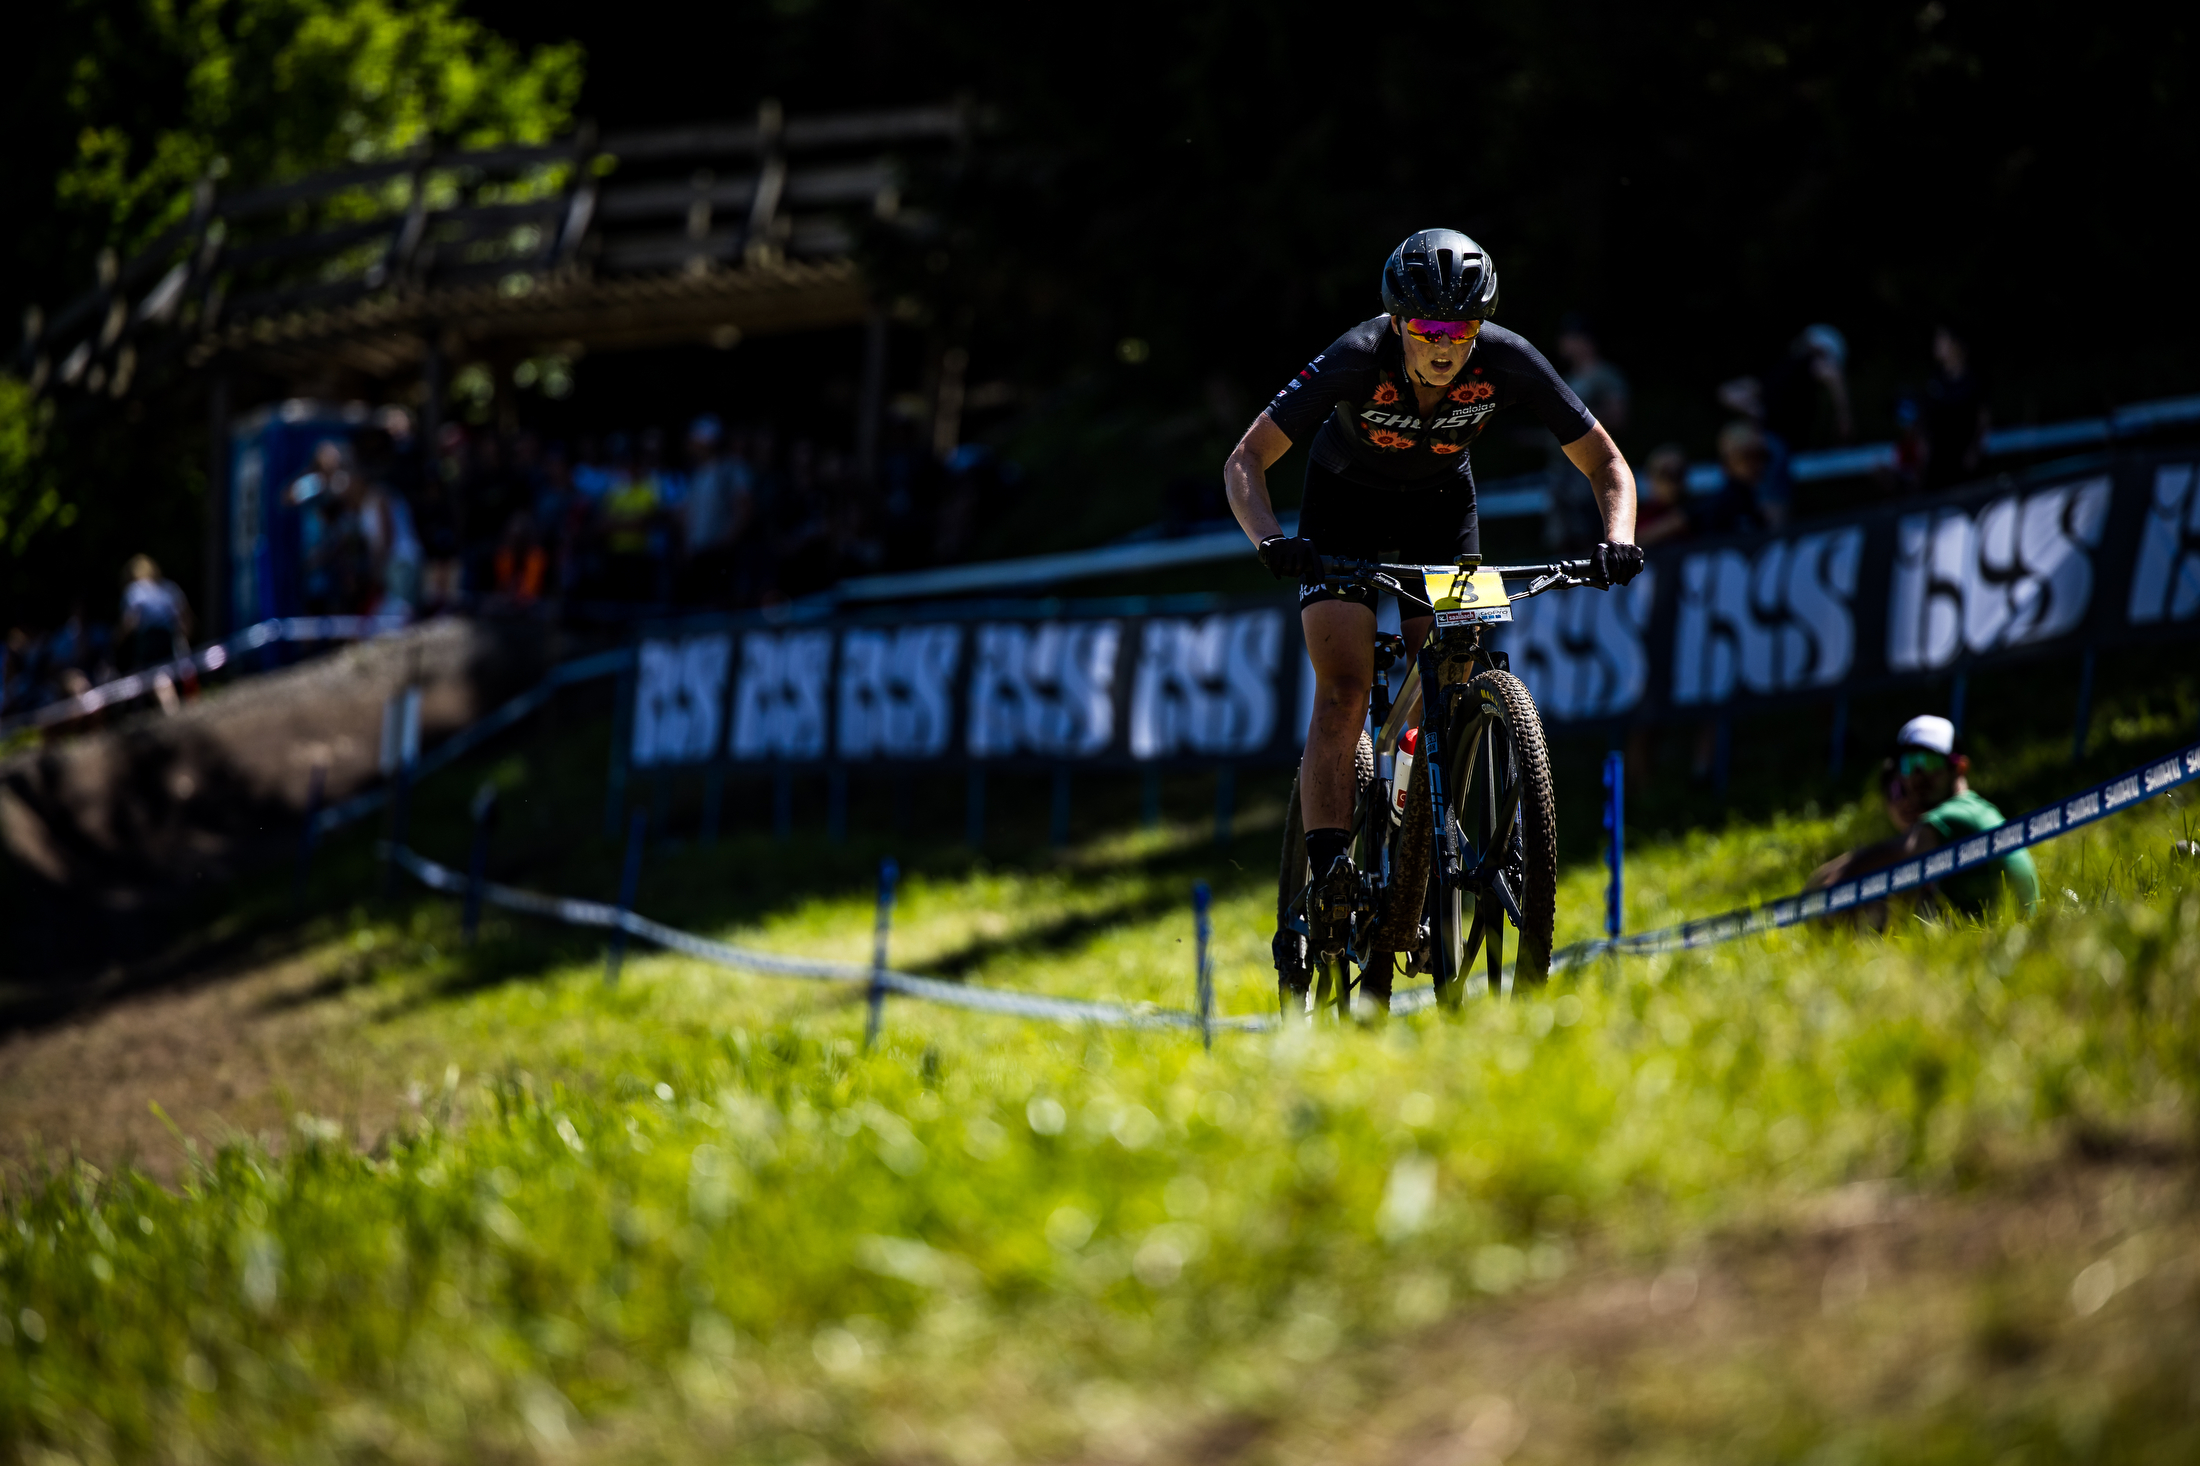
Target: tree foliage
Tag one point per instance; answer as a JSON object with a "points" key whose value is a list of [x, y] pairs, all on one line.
{"points": [[126, 107]]}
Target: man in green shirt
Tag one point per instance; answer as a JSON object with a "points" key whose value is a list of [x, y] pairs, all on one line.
{"points": [[1930, 799]]}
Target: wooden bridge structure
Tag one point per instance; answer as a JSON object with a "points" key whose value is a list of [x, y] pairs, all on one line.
{"points": [[386, 276]]}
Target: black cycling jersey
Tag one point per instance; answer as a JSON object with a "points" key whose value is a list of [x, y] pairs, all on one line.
{"points": [[1371, 432]]}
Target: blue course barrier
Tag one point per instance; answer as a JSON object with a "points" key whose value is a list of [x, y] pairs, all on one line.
{"points": [[2035, 828]]}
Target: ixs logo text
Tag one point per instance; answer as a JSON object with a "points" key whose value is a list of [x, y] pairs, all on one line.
{"points": [[779, 702], [2165, 583], [1582, 656], [679, 698], [1206, 685], [1046, 688], [897, 691], [2019, 570], [1778, 622]]}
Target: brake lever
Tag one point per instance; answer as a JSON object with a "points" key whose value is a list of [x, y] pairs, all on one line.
{"points": [[1560, 580], [1391, 584]]}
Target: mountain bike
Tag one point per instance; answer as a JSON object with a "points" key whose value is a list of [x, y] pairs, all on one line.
{"points": [[1454, 822]]}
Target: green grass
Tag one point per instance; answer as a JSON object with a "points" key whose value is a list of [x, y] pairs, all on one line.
{"points": [[688, 1218]]}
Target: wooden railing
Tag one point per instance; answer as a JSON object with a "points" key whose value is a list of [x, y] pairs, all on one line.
{"points": [[338, 246]]}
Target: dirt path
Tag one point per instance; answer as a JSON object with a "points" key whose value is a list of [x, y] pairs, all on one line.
{"points": [[2058, 1311], [235, 1050]]}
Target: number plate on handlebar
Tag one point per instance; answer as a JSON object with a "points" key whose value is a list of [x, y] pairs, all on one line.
{"points": [[1468, 600]]}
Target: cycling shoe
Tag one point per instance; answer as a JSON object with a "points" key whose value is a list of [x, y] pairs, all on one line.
{"points": [[1329, 904]]}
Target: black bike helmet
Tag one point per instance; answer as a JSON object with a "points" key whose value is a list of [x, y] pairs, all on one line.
{"points": [[1440, 275]]}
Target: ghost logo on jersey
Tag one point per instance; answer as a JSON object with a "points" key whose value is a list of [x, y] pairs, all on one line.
{"points": [[1387, 421]]}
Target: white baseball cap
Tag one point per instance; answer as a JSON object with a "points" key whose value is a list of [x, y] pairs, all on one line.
{"points": [[1931, 733]]}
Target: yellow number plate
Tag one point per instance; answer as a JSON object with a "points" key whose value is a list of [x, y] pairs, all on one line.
{"points": [[1468, 600]]}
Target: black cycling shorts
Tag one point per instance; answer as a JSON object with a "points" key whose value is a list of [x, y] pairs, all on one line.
{"points": [[1432, 526]]}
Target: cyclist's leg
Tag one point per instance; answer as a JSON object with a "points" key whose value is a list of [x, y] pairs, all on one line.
{"points": [[1340, 641]]}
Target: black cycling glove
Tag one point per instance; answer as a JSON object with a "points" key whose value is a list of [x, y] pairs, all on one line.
{"points": [[1291, 557], [1617, 564]]}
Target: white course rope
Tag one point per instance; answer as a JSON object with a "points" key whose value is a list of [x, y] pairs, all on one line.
{"points": [[748, 959]]}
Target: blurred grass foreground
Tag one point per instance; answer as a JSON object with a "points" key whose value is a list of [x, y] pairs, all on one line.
{"points": [[1824, 1195]]}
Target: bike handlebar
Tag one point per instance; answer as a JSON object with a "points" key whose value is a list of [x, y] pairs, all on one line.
{"points": [[1558, 575]]}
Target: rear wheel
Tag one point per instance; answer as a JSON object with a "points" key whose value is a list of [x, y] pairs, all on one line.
{"points": [[1503, 812]]}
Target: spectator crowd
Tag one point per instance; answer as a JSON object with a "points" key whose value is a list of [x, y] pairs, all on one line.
{"points": [[712, 516], [719, 515], [1798, 402]]}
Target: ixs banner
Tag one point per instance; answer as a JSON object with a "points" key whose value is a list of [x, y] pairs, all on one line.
{"points": [[1212, 685], [1901, 592], [1907, 591]]}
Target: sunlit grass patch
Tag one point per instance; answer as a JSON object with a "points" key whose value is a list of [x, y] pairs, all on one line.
{"points": [[688, 1215]]}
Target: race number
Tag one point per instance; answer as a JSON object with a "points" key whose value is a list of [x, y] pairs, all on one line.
{"points": [[1468, 599]]}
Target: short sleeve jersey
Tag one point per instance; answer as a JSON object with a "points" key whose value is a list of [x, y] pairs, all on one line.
{"points": [[1975, 891], [1357, 404]]}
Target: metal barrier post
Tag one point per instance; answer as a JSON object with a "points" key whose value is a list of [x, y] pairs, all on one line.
{"points": [[400, 808], [1203, 926], [477, 864], [1058, 834], [637, 829], [309, 833], [714, 795], [2082, 733], [888, 875], [1615, 822], [622, 715]]}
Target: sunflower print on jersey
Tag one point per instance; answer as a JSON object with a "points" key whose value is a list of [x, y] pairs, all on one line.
{"points": [[1389, 423]]}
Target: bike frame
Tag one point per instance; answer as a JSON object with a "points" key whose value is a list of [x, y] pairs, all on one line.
{"points": [[1448, 871]]}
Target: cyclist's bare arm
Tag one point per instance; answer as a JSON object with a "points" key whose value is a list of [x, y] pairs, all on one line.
{"points": [[1599, 460], [1245, 478]]}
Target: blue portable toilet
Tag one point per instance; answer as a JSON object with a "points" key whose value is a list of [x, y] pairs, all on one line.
{"points": [[269, 449]]}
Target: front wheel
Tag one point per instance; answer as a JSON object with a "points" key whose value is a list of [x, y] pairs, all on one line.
{"points": [[1504, 817]]}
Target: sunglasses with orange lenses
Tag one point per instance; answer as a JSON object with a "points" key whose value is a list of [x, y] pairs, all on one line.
{"points": [[1444, 333]]}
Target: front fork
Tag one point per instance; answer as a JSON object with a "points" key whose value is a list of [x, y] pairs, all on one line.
{"points": [[1449, 871]]}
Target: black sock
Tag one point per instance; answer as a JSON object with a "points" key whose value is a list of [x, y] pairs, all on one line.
{"points": [[1324, 846]]}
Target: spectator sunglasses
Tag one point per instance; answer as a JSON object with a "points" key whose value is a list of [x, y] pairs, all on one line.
{"points": [[1915, 761], [1443, 333]]}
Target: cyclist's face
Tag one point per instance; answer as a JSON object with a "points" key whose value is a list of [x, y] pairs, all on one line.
{"points": [[1433, 362]]}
